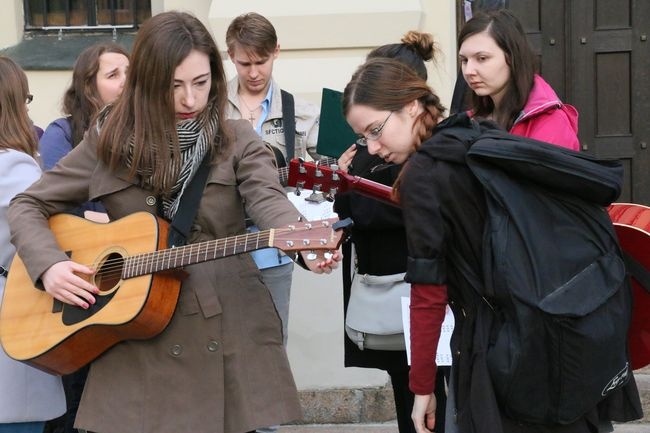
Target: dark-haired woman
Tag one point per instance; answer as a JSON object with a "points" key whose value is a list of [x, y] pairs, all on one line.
{"points": [[380, 240], [499, 67], [219, 366], [444, 209]]}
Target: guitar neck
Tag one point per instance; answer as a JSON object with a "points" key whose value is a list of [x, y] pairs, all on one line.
{"points": [[178, 257], [369, 188]]}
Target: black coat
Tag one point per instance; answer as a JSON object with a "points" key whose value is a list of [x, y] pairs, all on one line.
{"points": [[443, 206], [380, 243]]}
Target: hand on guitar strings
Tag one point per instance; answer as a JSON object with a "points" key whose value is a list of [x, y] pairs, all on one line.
{"points": [[321, 261], [68, 282]]}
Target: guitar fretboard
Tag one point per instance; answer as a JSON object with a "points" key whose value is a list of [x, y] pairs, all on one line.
{"points": [[173, 258]]}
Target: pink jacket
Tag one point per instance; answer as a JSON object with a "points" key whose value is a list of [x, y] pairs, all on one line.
{"points": [[546, 118]]}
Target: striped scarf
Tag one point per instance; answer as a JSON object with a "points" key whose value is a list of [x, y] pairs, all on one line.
{"points": [[195, 138]]}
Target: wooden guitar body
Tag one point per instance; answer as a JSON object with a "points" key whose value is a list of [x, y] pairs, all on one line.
{"points": [[36, 326]]}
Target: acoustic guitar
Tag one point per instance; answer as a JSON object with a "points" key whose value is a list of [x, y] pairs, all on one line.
{"points": [[138, 284], [632, 225]]}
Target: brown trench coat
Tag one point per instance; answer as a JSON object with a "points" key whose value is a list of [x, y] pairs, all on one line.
{"points": [[177, 381]]}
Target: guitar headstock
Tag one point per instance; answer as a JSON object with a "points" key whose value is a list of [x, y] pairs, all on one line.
{"points": [[331, 181], [326, 234], [316, 176]]}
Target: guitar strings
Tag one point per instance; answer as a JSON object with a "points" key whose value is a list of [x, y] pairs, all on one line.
{"points": [[116, 266], [184, 252]]}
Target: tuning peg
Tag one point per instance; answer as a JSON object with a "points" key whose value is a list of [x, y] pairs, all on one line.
{"points": [[312, 256], [316, 196], [300, 185]]}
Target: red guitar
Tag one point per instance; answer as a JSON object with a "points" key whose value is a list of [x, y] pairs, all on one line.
{"points": [[632, 224], [331, 181]]}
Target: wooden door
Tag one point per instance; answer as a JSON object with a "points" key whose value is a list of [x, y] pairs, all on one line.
{"points": [[609, 85], [596, 55]]}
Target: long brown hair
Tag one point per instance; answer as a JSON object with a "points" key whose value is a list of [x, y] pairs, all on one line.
{"points": [[506, 30], [16, 129], [144, 117], [81, 100]]}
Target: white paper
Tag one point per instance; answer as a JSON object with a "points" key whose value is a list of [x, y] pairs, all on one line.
{"points": [[443, 355], [311, 211]]}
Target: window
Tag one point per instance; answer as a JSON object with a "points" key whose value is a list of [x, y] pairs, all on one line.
{"points": [[85, 14]]}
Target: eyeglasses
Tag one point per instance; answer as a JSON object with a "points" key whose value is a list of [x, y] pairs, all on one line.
{"points": [[374, 133], [29, 98]]}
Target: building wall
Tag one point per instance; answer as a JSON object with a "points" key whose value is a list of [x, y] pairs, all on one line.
{"points": [[321, 45]]}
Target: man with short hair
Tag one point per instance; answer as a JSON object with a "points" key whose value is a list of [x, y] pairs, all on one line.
{"points": [[288, 125]]}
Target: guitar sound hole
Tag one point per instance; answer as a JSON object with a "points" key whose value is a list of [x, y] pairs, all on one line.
{"points": [[110, 272]]}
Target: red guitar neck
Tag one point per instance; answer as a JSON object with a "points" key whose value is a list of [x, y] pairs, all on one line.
{"points": [[369, 188]]}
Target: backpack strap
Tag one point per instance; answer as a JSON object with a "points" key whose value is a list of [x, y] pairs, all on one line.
{"points": [[637, 271], [180, 226], [3, 272], [472, 278], [289, 123]]}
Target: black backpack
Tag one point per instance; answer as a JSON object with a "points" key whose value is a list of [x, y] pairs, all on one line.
{"points": [[553, 276]]}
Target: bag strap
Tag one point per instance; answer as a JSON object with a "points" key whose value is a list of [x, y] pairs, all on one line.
{"points": [[3, 271], [637, 271], [180, 226], [469, 274], [289, 123]]}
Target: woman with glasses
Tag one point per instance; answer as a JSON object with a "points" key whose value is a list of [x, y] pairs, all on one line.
{"points": [[28, 397], [444, 211], [378, 234]]}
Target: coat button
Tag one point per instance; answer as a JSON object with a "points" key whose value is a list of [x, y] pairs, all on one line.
{"points": [[176, 350], [213, 346], [151, 200]]}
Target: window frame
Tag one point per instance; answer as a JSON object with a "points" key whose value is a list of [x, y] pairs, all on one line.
{"points": [[91, 18]]}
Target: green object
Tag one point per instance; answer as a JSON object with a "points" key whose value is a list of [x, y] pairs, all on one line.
{"points": [[334, 134]]}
